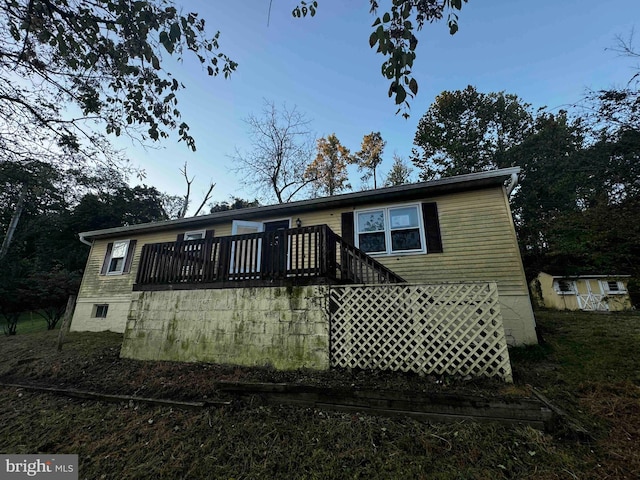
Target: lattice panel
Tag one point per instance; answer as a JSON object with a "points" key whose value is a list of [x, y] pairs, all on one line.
{"points": [[453, 329]]}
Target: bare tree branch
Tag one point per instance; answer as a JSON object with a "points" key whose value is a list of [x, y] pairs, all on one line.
{"points": [[185, 205], [282, 148], [187, 199], [206, 198]]}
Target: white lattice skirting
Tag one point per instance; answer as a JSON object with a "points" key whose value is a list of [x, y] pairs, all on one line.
{"points": [[453, 329]]}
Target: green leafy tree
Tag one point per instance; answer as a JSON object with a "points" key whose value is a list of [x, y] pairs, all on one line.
{"points": [[369, 157], [613, 163], [394, 37], [236, 203], [466, 131], [606, 228], [42, 266], [105, 59], [28, 189], [598, 239], [11, 305], [328, 171], [46, 293], [124, 206], [616, 109], [400, 172], [552, 180]]}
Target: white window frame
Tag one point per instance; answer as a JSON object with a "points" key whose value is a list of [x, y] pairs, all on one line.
{"points": [[604, 284], [124, 257], [259, 228], [559, 291], [202, 234], [386, 210]]}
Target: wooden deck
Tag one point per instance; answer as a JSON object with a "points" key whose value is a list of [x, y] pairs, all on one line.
{"points": [[295, 256]]}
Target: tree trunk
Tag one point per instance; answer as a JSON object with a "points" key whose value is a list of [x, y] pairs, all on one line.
{"points": [[66, 323], [13, 224]]}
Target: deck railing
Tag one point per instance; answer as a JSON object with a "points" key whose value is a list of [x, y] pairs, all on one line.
{"points": [[295, 256]]}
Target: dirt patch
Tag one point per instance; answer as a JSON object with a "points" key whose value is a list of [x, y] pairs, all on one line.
{"points": [[90, 361], [255, 441]]}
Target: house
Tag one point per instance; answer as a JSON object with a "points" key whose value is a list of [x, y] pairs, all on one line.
{"points": [[279, 284], [602, 293]]}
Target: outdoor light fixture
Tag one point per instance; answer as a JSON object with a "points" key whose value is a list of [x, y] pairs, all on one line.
{"points": [[298, 223]]}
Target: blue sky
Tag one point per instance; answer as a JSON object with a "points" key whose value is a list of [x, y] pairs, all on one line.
{"points": [[545, 51]]}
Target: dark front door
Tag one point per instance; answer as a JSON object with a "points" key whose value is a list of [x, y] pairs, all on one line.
{"points": [[274, 252]]}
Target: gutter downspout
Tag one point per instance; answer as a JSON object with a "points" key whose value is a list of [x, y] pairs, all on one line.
{"points": [[512, 184], [84, 240]]}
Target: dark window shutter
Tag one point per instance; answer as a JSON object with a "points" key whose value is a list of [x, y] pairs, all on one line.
{"points": [[107, 258], [208, 235], [432, 227], [180, 237], [130, 251], [347, 227]]}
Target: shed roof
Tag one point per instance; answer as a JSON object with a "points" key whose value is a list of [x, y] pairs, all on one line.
{"points": [[587, 277], [442, 186]]}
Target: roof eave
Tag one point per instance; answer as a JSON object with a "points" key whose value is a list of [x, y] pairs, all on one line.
{"points": [[411, 191]]}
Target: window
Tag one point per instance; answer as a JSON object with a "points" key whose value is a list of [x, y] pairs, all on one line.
{"points": [[564, 286], [371, 232], [613, 287], [118, 256], [405, 229], [100, 311], [390, 230], [197, 235]]}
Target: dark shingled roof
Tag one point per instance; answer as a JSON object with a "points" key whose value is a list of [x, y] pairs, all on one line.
{"points": [[412, 191]]}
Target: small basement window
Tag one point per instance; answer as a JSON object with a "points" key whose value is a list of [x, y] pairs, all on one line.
{"points": [[100, 311]]}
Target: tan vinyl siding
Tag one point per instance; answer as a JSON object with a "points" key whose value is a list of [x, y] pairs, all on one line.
{"points": [[478, 240], [94, 284], [477, 235]]}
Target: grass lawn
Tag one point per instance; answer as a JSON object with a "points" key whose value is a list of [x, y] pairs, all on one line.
{"points": [[589, 366], [29, 322]]}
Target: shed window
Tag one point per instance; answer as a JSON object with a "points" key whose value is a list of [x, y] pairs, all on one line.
{"points": [[390, 230], [613, 287], [564, 286]]}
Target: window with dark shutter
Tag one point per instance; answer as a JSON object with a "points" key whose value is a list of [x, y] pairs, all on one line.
{"points": [[130, 252], [396, 229], [118, 257], [347, 227], [432, 227], [107, 258]]}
